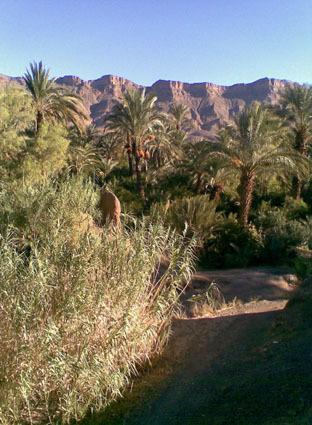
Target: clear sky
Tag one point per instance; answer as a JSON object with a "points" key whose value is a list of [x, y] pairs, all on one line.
{"points": [[222, 41]]}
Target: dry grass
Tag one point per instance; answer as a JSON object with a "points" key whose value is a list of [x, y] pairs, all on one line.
{"points": [[76, 319]]}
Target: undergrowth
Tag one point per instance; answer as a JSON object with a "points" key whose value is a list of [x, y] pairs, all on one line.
{"points": [[80, 307]]}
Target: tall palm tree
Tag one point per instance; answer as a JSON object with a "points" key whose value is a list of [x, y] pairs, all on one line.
{"points": [[50, 101], [255, 145], [136, 118], [296, 107]]}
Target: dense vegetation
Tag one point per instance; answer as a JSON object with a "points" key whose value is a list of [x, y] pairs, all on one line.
{"points": [[81, 305]]}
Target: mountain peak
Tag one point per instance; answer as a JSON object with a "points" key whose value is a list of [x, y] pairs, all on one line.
{"points": [[211, 105]]}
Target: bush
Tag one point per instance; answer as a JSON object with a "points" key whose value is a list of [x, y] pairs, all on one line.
{"points": [[281, 236], [303, 266], [296, 208], [46, 156], [231, 245], [82, 306]]}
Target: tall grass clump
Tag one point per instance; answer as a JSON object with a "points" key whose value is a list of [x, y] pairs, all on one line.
{"points": [[80, 307]]}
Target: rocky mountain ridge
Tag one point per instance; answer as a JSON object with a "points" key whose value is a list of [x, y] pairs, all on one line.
{"points": [[210, 105]]}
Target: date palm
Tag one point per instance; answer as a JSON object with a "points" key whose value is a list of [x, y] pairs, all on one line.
{"points": [[195, 162], [136, 118], [296, 107], [50, 101], [208, 174], [163, 147], [255, 145], [179, 116]]}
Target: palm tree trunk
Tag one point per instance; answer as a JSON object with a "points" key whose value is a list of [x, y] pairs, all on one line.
{"points": [[297, 187], [301, 146], [198, 182], [138, 171], [246, 188], [216, 193], [39, 119], [130, 161]]}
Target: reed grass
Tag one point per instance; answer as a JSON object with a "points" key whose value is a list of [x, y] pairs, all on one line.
{"points": [[80, 307]]}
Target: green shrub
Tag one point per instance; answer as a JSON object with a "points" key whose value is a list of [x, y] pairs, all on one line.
{"points": [[281, 236], [296, 208], [45, 156], [15, 119], [231, 245], [82, 307], [303, 266]]}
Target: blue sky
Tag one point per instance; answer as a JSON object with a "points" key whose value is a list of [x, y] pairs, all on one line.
{"points": [[222, 41]]}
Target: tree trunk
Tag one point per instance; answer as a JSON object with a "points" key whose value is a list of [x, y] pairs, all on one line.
{"points": [[130, 161], [39, 119], [246, 188], [297, 187], [157, 158], [198, 183], [301, 147], [215, 194], [138, 171]]}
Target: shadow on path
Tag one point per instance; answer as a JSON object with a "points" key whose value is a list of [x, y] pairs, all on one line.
{"points": [[226, 370]]}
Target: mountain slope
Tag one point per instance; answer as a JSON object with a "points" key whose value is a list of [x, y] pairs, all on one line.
{"points": [[211, 105]]}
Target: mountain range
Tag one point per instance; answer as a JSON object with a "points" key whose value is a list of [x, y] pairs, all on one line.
{"points": [[211, 106]]}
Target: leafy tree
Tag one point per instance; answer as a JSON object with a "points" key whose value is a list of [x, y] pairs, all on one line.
{"points": [[45, 156], [136, 118], [15, 119], [254, 145], [50, 101], [296, 107]]}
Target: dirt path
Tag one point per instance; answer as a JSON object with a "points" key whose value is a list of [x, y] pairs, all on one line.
{"points": [[200, 350]]}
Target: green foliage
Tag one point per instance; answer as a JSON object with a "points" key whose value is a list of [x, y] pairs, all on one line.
{"points": [[172, 186], [194, 216], [15, 118], [52, 102], [82, 306], [46, 156], [254, 147], [231, 245], [303, 266], [281, 236], [296, 208]]}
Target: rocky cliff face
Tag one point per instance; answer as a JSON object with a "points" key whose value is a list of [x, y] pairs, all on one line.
{"points": [[211, 105]]}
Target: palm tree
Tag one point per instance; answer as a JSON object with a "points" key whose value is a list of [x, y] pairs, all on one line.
{"points": [[296, 107], [136, 118], [195, 162], [254, 146], [163, 147], [179, 115], [89, 135], [52, 102], [208, 174]]}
